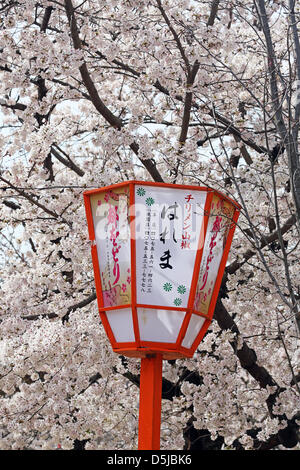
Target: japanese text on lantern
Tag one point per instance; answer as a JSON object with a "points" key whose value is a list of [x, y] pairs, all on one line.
{"points": [[218, 227], [187, 223], [171, 214], [148, 253], [215, 230], [110, 211], [169, 257], [112, 221]]}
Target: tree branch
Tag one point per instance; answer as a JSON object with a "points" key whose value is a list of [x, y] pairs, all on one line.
{"points": [[175, 35], [66, 161], [288, 138], [213, 12], [113, 120], [65, 318], [46, 18], [264, 241], [248, 360], [103, 110], [31, 199]]}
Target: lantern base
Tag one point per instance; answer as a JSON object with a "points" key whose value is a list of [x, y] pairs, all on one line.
{"points": [[146, 352]]}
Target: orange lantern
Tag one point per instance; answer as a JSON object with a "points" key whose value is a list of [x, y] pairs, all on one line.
{"points": [[159, 252]]}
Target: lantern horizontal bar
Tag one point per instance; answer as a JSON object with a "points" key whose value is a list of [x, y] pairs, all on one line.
{"points": [[158, 344], [148, 183], [170, 185], [125, 345], [166, 185], [158, 307], [145, 352], [186, 352], [115, 307], [153, 349], [122, 348], [200, 314], [106, 188], [162, 307]]}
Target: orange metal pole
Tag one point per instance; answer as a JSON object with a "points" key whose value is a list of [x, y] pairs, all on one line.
{"points": [[150, 402]]}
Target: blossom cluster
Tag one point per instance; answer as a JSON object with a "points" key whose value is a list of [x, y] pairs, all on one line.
{"points": [[119, 90]]}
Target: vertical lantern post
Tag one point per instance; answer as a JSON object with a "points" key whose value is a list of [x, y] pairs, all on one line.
{"points": [[159, 252], [150, 402]]}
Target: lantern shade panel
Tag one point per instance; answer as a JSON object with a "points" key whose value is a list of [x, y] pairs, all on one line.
{"points": [[121, 324], [159, 252], [111, 227], [219, 224], [160, 326], [168, 226], [195, 324]]}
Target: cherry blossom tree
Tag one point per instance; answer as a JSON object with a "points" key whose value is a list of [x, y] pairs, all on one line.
{"points": [[198, 92]]}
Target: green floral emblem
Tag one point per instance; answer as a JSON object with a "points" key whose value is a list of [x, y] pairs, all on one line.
{"points": [[181, 289], [149, 201], [177, 302], [167, 286], [141, 192]]}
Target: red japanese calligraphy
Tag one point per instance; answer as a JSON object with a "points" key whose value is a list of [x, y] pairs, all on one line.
{"points": [[112, 219], [215, 230], [188, 198], [185, 243]]}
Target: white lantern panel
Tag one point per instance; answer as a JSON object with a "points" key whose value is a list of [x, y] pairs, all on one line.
{"points": [[168, 226], [121, 323], [110, 211], [160, 326], [195, 325], [220, 221]]}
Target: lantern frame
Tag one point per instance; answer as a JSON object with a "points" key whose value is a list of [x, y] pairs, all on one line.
{"points": [[140, 348]]}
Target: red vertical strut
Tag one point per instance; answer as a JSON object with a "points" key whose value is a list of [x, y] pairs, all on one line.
{"points": [[150, 402]]}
